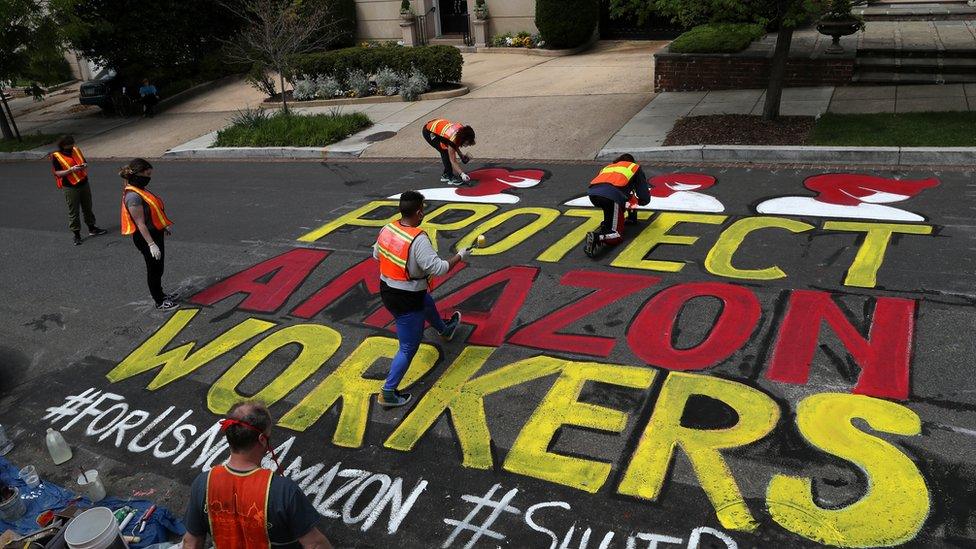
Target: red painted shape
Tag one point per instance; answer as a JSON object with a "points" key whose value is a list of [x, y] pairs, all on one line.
{"points": [[884, 356], [669, 183], [492, 324], [849, 189], [287, 272], [491, 181], [382, 318], [650, 334], [366, 272], [610, 287]]}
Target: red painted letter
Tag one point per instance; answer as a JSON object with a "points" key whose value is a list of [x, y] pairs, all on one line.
{"points": [[650, 335], [366, 272], [610, 287], [286, 272], [883, 357], [382, 318]]}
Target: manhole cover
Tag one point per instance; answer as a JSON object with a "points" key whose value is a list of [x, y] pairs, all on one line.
{"points": [[378, 136]]}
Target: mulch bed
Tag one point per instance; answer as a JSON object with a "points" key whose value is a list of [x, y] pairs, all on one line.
{"points": [[740, 129]]}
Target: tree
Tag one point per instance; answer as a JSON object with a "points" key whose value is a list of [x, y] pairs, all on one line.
{"points": [[781, 15], [273, 31]]}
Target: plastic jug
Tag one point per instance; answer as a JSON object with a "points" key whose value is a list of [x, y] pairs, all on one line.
{"points": [[56, 445]]}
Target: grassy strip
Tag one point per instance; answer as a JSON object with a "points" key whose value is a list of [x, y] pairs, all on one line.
{"points": [[292, 130], [29, 142], [916, 129], [717, 38]]}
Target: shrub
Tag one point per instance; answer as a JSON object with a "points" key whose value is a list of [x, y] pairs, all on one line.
{"points": [[260, 78], [327, 87], [387, 81], [413, 86], [285, 129], [357, 83], [345, 12], [566, 23], [305, 89], [717, 38], [440, 64], [249, 118]]}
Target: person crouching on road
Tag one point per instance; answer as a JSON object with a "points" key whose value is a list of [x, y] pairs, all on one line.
{"points": [[144, 217], [71, 175], [245, 506], [610, 190], [447, 138], [407, 260]]}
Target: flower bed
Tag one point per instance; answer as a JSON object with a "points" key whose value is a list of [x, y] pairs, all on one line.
{"points": [[518, 40], [376, 69]]}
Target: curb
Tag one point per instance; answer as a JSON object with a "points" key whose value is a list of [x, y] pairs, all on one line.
{"points": [[446, 94], [894, 156], [33, 154]]}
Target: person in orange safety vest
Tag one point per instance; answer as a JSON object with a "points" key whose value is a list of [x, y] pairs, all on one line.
{"points": [[71, 176], [144, 217], [243, 505], [611, 190], [447, 138]]}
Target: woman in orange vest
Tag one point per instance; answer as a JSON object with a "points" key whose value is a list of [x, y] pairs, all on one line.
{"points": [[71, 175], [144, 217], [610, 190], [447, 138]]}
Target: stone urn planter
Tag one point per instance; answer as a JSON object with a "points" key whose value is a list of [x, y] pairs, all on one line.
{"points": [[406, 16], [835, 28]]}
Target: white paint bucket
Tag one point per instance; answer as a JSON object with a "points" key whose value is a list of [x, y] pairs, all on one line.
{"points": [[96, 528], [91, 484]]}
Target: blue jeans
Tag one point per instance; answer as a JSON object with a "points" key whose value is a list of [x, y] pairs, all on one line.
{"points": [[410, 330]]}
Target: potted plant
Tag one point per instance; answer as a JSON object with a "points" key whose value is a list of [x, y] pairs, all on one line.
{"points": [[406, 12], [838, 21], [480, 10]]}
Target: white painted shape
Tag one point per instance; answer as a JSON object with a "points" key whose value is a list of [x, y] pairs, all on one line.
{"points": [[805, 205], [448, 194], [682, 201]]}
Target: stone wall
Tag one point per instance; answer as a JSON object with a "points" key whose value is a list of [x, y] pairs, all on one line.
{"points": [[692, 72], [379, 19]]}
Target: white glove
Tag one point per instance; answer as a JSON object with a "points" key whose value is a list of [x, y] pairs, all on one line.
{"points": [[465, 177], [464, 253], [155, 251]]}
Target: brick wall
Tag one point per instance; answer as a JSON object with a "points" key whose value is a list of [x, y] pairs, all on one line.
{"points": [[690, 72]]}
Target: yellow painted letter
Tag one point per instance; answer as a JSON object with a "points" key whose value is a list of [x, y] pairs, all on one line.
{"points": [[347, 383], [529, 454], [632, 257], [478, 211], [864, 270], [354, 218], [594, 217], [758, 414], [896, 500], [544, 216], [719, 259]]}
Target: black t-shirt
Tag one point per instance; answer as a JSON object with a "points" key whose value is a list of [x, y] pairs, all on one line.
{"points": [[399, 301], [290, 514], [58, 168]]}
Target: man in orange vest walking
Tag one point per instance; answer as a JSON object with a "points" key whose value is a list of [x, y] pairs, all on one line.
{"points": [[447, 138], [245, 506], [71, 175], [407, 261], [611, 190]]}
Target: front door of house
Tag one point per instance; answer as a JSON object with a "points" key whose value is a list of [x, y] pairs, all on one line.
{"points": [[454, 16]]}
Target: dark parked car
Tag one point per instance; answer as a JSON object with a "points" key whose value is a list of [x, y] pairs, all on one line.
{"points": [[110, 92]]}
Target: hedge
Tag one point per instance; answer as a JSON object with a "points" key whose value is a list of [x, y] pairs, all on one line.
{"points": [[440, 64], [718, 38], [566, 23]]}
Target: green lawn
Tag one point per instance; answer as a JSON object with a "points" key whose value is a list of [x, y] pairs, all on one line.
{"points": [[290, 130], [917, 129], [29, 142]]}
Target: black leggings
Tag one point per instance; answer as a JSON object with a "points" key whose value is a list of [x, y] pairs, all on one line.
{"points": [[154, 267], [442, 146]]}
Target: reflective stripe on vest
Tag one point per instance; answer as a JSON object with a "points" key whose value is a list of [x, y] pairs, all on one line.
{"points": [[618, 174], [393, 247], [157, 212], [67, 162], [237, 508], [444, 128]]}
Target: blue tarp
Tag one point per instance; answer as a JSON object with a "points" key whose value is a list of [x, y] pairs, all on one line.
{"points": [[49, 496]]}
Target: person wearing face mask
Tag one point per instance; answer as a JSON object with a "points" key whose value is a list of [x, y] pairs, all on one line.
{"points": [[71, 175], [241, 504], [407, 262], [610, 190], [144, 217]]}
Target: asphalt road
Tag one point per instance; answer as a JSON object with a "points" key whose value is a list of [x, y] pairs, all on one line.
{"points": [[810, 371]]}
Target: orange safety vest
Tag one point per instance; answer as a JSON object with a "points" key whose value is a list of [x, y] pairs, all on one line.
{"points": [[618, 174], [444, 128], [67, 162], [393, 246], [237, 508], [156, 211]]}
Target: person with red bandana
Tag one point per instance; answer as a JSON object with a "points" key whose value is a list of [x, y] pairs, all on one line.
{"points": [[611, 190], [447, 138], [245, 506]]}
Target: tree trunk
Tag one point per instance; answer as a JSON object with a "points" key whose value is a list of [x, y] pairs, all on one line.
{"points": [[284, 102], [5, 126], [777, 73], [3, 120]]}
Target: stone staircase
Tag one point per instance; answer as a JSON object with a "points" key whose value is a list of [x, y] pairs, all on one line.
{"points": [[874, 66], [916, 10]]}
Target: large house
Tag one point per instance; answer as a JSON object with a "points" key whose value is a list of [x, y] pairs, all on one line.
{"points": [[380, 19]]}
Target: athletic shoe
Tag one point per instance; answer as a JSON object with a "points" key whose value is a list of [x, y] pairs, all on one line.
{"points": [[96, 231], [451, 326], [77, 240], [456, 181], [445, 179], [631, 218], [171, 297], [166, 305], [393, 399], [590, 247]]}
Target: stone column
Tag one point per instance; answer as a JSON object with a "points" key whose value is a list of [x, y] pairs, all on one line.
{"points": [[480, 33], [409, 30]]}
